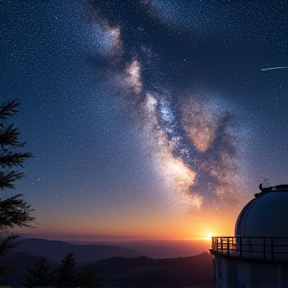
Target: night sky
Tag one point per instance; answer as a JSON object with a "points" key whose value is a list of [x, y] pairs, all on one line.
{"points": [[147, 119]]}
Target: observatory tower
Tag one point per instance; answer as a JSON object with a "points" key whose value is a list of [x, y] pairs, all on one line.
{"points": [[257, 255]]}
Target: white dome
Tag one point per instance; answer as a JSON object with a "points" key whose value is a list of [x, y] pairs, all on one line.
{"points": [[266, 215]]}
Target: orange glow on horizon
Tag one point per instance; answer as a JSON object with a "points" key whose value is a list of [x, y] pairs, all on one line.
{"points": [[208, 237], [160, 224]]}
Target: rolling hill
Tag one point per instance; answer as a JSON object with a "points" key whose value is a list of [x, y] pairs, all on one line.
{"points": [[56, 250]]}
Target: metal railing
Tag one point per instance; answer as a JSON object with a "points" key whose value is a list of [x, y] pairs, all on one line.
{"points": [[257, 248]]}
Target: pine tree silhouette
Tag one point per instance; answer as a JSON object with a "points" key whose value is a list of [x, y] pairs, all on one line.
{"points": [[90, 278], [67, 274], [14, 211], [41, 276]]}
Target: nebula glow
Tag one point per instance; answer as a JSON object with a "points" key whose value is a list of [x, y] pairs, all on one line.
{"points": [[133, 76], [193, 141]]}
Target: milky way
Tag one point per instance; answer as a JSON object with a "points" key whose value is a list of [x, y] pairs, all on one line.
{"points": [[192, 134]]}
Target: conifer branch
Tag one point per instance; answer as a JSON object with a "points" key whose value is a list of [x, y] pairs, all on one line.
{"points": [[14, 211], [9, 109]]}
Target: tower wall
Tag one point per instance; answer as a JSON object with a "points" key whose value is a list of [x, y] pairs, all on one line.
{"points": [[230, 272]]}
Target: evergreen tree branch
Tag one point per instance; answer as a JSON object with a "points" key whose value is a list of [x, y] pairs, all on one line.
{"points": [[7, 244], [14, 212], [9, 136], [10, 159], [9, 109], [7, 179]]}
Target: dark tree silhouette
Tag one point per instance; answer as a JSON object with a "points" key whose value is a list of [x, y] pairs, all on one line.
{"points": [[14, 211], [67, 274], [41, 276], [90, 278]]}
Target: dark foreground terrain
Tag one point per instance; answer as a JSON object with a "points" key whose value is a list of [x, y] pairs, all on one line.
{"points": [[194, 271], [118, 266]]}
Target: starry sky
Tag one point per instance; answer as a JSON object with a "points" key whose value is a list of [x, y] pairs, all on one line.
{"points": [[148, 119]]}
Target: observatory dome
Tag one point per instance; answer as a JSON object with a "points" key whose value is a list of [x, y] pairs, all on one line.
{"points": [[266, 215]]}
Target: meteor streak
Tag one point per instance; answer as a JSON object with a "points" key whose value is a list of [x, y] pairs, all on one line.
{"points": [[274, 68]]}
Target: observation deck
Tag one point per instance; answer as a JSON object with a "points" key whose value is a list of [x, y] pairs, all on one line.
{"points": [[270, 249]]}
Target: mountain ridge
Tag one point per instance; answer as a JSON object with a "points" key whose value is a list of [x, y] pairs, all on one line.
{"points": [[55, 251]]}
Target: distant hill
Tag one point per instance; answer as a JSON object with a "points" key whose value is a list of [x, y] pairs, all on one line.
{"points": [[194, 271], [56, 250], [141, 272], [167, 248]]}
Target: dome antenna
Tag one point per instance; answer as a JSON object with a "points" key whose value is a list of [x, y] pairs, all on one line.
{"points": [[263, 190]]}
